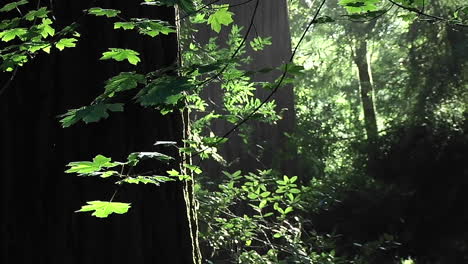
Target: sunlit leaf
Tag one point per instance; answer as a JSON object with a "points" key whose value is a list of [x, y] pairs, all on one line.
{"points": [[121, 54], [221, 17], [86, 167], [103, 209], [66, 43]]}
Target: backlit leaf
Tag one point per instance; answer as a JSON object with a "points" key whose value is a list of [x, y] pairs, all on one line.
{"points": [[121, 54], [103, 209], [221, 17]]}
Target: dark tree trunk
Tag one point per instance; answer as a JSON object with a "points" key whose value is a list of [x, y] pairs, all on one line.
{"points": [[38, 224]]}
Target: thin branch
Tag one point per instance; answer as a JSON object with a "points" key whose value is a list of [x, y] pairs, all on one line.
{"points": [[422, 13], [8, 82]]}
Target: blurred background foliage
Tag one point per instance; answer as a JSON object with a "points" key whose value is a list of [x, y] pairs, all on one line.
{"points": [[398, 195]]}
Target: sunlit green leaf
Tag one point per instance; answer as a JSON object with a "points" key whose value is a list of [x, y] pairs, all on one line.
{"points": [[121, 54], [86, 167], [103, 209], [66, 43], [13, 33], [40, 13], [221, 17]]}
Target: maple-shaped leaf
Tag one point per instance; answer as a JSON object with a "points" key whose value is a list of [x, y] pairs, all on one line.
{"points": [[13, 5], [88, 114], [221, 17], [121, 54], [165, 90], [103, 209], [154, 27], [45, 28], [66, 43], [88, 167], [40, 13], [124, 25], [122, 82], [11, 34]]}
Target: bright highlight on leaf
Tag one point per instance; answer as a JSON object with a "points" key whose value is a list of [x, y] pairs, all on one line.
{"points": [[121, 54], [221, 17], [103, 209]]}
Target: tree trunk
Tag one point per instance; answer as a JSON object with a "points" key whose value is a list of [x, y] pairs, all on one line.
{"points": [[269, 147], [366, 90], [38, 223]]}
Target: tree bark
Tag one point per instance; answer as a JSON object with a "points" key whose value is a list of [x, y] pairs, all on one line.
{"points": [[366, 90], [38, 224]]}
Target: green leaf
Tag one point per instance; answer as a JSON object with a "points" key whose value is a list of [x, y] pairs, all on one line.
{"points": [[123, 82], [170, 143], [153, 27], [277, 235], [9, 23], [359, 6], [66, 43], [121, 54], [193, 168], [124, 25], [288, 210], [135, 157], [156, 180], [13, 5], [262, 204], [97, 11], [40, 13], [295, 191], [165, 90], [252, 196], [88, 114], [221, 17], [103, 209], [88, 167], [45, 28], [11, 34], [259, 43]]}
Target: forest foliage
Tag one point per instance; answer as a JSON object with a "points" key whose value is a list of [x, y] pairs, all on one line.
{"points": [[363, 154]]}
